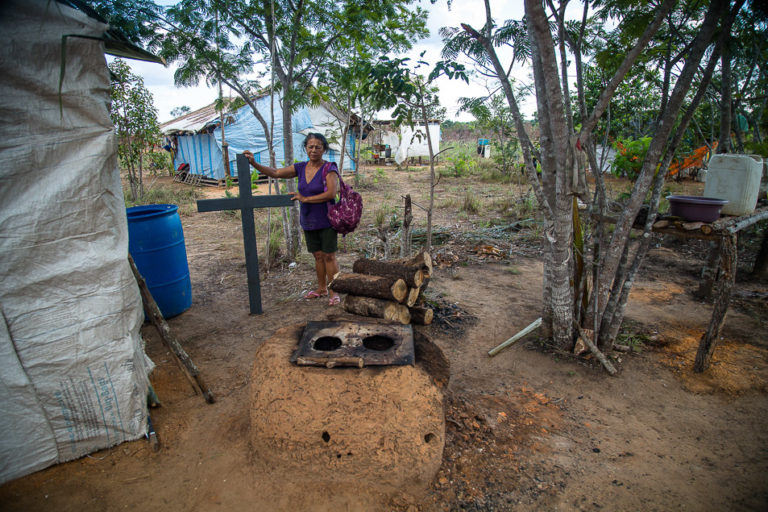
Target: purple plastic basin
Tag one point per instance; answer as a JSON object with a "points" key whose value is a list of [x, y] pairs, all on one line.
{"points": [[694, 208]]}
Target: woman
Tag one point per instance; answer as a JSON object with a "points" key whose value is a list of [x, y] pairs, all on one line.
{"points": [[314, 195]]}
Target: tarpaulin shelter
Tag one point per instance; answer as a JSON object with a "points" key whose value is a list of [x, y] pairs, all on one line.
{"points": [[405, 141], [73, 373], [196, 137]]}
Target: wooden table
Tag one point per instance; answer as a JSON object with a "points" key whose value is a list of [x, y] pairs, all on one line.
{"points": [[721, 271]]}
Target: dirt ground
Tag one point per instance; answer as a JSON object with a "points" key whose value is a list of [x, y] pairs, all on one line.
{"points": [[529, 429]]}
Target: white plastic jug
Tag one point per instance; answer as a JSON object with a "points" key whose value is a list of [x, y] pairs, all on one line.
{"points": [[735, 178]]}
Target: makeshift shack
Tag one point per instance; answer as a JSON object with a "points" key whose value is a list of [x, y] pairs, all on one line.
{"points": [[403, 142], [73, 373], [195, 138]]}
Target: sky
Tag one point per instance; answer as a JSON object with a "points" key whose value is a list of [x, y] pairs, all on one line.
{"points": [[159, 79]]}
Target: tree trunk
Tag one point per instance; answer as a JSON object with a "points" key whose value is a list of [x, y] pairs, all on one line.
{"points": [[412, 275], [387, 288], [761, 262], [724, 144], [368, 306], [725, 285], [405, 247], [556, 153], [293, 215], [428, 245]]}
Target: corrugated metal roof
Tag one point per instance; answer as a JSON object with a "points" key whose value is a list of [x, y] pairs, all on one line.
{"points": [[195, 122]]}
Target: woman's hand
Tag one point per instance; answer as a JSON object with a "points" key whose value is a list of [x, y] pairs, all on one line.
{"points": [[247, 154], [295, 196]]}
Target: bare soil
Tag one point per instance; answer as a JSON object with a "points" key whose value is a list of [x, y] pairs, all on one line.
{"points": [[529, 429]]}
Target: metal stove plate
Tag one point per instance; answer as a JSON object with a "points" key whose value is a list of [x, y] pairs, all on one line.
{"points": [[344, 344]]}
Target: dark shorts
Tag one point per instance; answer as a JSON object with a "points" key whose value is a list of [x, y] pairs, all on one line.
{"points": [[324, 240]]}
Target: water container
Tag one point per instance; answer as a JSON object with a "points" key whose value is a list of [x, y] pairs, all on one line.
{"points": [[735, 178], [156, 243]]}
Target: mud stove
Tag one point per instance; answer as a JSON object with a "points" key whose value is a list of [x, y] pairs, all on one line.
{"points": [[359, 344]]}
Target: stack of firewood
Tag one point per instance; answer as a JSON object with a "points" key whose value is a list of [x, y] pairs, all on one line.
{"points": [[392, 290]]}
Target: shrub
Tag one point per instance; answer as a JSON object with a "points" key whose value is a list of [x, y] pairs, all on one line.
{"points": [[629, 159]]}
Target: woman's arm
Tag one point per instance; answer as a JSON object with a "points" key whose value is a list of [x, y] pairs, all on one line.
{"points": [[285, 172], [331, 184]]}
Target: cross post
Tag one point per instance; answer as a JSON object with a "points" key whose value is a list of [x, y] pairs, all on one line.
{"points": [[246, 203]]}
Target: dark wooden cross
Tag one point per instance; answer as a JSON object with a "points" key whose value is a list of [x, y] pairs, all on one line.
{"points": [[246, 203]]}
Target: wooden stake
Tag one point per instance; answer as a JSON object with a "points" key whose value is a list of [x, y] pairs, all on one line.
{"points": [[154, 314], [532, 327], [596, 352]]}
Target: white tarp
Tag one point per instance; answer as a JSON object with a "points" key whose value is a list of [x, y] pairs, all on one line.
{"points": [[411, 142], [73, 374]]}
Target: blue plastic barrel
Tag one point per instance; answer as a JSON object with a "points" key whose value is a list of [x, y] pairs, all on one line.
{"points": [[156, 243]]}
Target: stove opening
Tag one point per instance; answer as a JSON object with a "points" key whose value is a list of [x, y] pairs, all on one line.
{"points": [[378, 343], [327, 343]]}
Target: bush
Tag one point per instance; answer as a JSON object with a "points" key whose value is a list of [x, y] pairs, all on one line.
{"points": [[629, 159], [461, 163]]}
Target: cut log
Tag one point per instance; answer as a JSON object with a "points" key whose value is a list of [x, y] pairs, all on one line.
{"points": [[692, 226], [379, 287], [422, 260], [412, 275], [421, 315], [413, 296], [659, 224], [369, 306]]}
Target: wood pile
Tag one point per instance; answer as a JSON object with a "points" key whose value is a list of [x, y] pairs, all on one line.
{"points": [[392, 290]]}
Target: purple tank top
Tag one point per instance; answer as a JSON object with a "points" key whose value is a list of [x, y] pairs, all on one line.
{"points": [[313, 215]]}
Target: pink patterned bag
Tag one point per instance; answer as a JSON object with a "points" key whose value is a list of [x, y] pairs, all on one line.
{"points": [[344, 216]]}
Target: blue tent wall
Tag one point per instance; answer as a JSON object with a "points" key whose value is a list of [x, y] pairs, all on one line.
{"points": [[203, 151]]}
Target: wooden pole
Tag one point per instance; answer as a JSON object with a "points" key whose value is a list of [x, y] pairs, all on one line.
{"points": [[596, 352], [154, 314], [532, 327]]}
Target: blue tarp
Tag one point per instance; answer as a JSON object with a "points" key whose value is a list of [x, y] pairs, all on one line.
{"points": [[203, 151]]}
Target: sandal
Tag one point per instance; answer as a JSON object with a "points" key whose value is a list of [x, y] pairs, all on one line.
{"points": [[334, 300], [313, 295]]}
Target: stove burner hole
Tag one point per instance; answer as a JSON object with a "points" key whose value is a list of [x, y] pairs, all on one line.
{"points": [[327, 343], [378, 342], [428, 438], [326, 436]]}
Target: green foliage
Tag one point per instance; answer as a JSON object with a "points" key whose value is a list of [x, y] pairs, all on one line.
{"points": [[160, 160], [629, 158], [462, 163], [757, 148], [135, 118]]}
